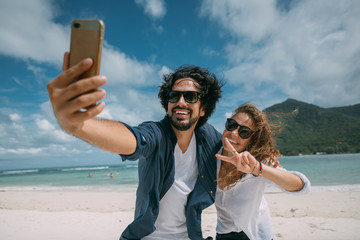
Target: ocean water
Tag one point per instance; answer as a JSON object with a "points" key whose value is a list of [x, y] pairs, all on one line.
{"points": [[331, 171], [326, 170], [105, 177]]}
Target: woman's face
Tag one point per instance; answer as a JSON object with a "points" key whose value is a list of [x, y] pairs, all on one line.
{"points": [[236, 141]]}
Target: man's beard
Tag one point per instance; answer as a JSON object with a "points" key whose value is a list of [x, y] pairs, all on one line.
{"points": [[179, 124]]}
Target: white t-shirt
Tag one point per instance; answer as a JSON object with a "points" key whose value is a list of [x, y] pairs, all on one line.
{"points": [[244, 208], [171, 221]]}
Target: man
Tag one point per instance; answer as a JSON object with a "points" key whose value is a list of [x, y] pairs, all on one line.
{"points": [[177, 165]]}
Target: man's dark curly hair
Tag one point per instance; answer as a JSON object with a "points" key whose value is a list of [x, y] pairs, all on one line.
{"points": [[208, 84]]}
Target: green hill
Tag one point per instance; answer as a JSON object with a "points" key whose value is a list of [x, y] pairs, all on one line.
{"points": [[313, 129]]}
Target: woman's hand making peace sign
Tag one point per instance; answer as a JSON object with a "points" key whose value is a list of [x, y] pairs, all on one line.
{"points": [[244, 161]]}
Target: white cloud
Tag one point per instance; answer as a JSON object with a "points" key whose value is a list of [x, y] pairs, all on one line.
{"points": [[29, 32], [62, 136], [105, 114], [228, 114], [44, 124], [49, 131], [251, 19], [15, 117], [23, 151], [163, 71], [36, 136], [311, 52], [134, 107], [154, 8], [33, 34], [17, 80], [39, 73], [47, 111], [208, 51], [121, 69]]}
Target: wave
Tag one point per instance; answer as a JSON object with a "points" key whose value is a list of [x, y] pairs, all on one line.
{"points": [[131, 166], [44, 188], [132, 187], [61, 169], [329, 188], [84, 168], [16, 172], [336, 188]]}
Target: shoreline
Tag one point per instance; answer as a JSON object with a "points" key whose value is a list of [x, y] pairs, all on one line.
{"points": [[130, 188], [98, 214]]}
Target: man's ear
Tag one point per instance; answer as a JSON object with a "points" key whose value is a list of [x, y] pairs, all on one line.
{"points": [[202, 111]]}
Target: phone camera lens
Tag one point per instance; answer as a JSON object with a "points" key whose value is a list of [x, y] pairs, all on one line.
{"points": [[76, 25]]}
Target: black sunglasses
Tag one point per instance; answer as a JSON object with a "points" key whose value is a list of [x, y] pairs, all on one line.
{"points": [[244, 131], [189, 96]]}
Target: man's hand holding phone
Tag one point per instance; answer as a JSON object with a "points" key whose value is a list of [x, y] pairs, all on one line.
{"points": [[69, 95], [74, 93]]}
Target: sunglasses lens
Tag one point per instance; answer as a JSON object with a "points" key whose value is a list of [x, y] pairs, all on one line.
{"points": [[231, 124], [191, 97], [174, 96], [244, 134]]}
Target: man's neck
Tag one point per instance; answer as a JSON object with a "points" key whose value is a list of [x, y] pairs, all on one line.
{"points": [[184, 137]]}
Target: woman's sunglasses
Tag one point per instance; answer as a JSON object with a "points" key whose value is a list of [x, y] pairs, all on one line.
{"points": [[244, 131], [189, 96]]}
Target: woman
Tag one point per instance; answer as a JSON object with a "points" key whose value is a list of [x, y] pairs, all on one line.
{"points": [[246, 164]]}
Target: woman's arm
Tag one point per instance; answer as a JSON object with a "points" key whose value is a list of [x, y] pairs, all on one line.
{"points": [[290, 182], [246, 163]]}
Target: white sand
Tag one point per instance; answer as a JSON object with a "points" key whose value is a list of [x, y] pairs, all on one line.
{"points": [[104, 215]]}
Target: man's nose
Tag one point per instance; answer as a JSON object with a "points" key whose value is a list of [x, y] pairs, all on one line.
{"points": [[182, 100]]}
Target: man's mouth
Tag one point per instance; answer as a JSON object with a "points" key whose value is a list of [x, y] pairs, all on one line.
{"points": [[181, 112]]}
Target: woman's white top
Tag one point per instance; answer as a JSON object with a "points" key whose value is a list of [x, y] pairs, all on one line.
{"points": [[244, 208], [171, 221]]}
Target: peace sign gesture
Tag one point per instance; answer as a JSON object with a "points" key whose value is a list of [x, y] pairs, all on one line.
{"points": [[244, 161]]}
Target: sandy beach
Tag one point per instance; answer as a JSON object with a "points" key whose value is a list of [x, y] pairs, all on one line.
{"points": [[90, 214]]}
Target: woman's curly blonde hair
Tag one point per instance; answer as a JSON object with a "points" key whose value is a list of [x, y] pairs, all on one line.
{"points": [[262, 143]]}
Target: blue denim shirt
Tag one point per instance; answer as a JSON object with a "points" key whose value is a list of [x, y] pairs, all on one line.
{"points": [[155, 151]]}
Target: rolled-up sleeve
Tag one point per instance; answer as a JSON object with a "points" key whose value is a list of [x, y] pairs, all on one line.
{"points": [[307, 184], [143, 134]]}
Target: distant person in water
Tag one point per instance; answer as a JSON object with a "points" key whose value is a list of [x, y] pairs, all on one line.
{"points": [[246, 164]]}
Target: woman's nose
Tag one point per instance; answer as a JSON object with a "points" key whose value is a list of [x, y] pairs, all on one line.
{"points": [[235, 132]]}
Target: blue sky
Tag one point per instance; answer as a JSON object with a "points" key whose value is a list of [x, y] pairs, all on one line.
{"points": [[265, 50]]}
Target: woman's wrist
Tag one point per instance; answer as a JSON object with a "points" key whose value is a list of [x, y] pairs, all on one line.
{"points": [[252, 172], [257, 167]]}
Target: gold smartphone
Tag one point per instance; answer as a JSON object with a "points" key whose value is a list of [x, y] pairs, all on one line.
{"points": [[86, 41]]}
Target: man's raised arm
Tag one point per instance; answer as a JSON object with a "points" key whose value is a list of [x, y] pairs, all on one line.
{"points": [[75, 107]]}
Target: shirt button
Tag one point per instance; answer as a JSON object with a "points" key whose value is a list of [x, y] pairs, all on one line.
{"points": [[202, 176], [211, 192]]}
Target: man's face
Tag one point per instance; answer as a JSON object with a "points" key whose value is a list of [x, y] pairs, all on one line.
{"points": [[183, 115]]}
